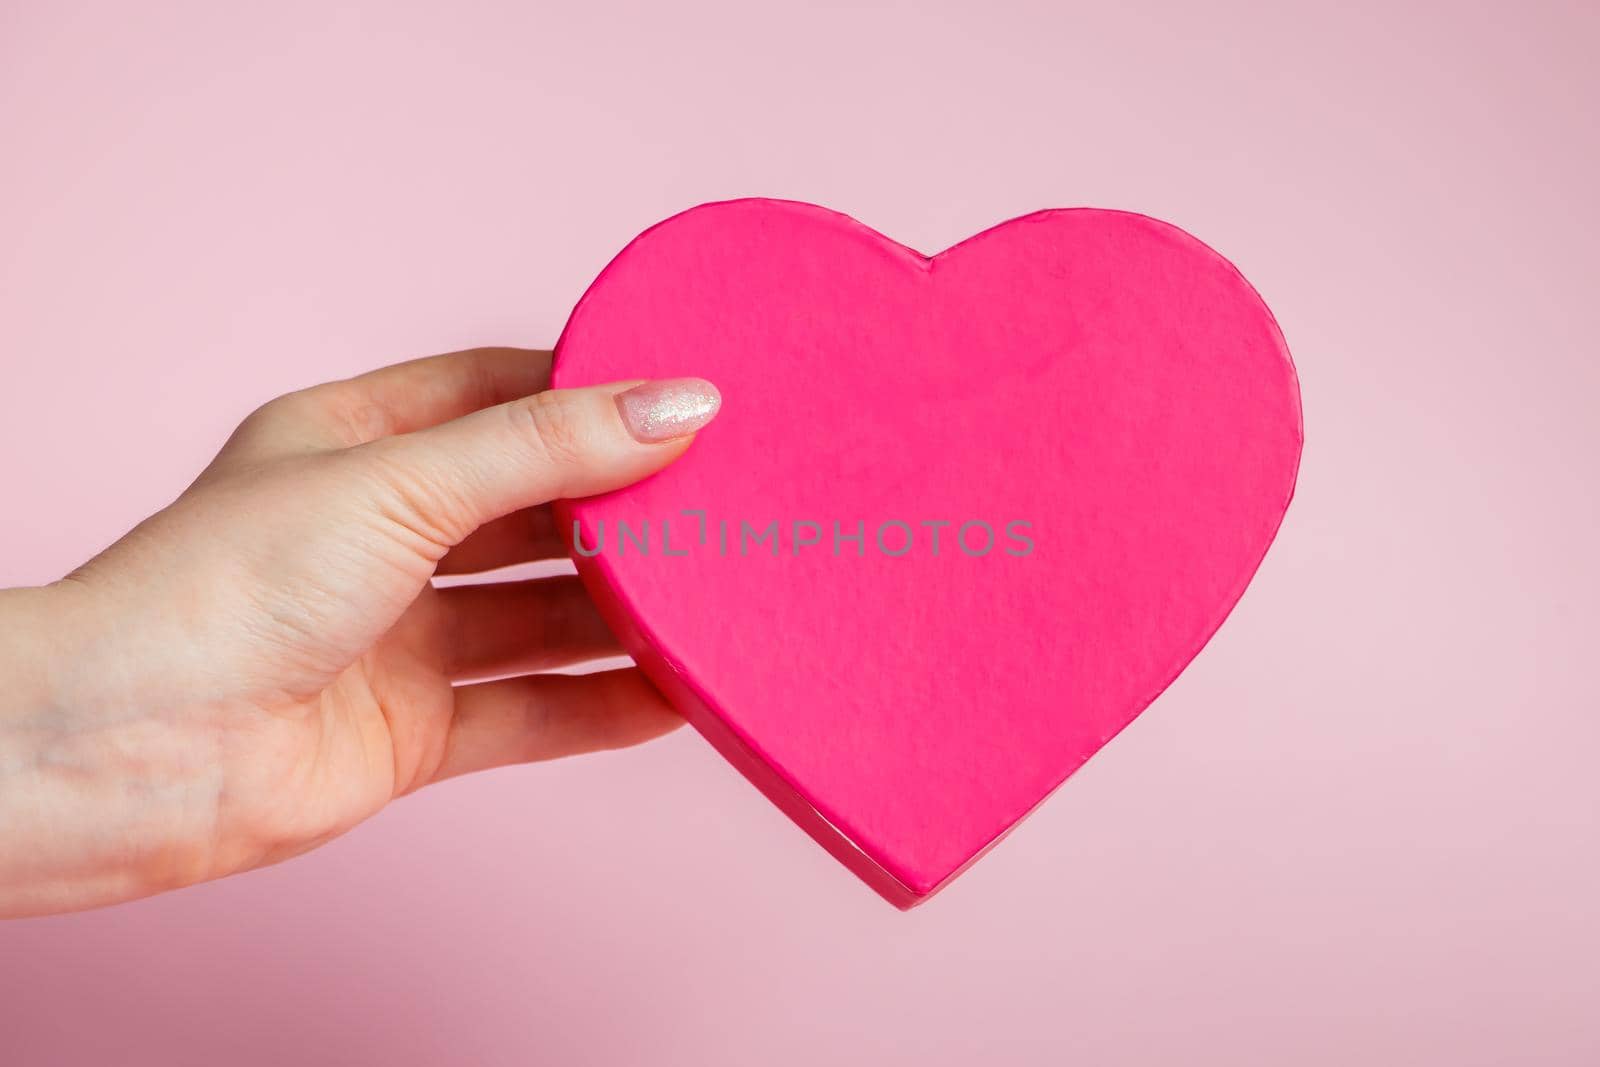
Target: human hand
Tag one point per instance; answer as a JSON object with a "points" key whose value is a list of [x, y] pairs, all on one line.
{"points": [[265, 663]]}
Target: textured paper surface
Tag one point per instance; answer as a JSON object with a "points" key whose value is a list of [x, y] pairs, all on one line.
{"points": [[1100, 376]]}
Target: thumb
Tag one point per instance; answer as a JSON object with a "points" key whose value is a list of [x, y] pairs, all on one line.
{"points": [[452, 478]]}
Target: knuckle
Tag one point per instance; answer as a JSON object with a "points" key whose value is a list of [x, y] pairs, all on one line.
{"points": [[345, 416], [347, 411], [551, 425], [265, 431], [431, 515], [275, 412], [364, 421]]}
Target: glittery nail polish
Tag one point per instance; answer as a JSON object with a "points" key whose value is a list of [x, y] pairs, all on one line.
{"points": [[673, 407]]}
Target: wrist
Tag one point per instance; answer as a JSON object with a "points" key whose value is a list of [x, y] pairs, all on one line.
{"points": [[98, 793]]}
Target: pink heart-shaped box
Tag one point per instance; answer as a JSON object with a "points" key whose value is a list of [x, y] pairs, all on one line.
{"points": [[1097, 407]]}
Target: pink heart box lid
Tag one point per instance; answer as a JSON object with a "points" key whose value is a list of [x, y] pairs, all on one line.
{"points": [[1097, 407]]}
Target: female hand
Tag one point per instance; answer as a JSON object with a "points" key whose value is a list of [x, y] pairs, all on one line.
{"points": [[265, 663]]}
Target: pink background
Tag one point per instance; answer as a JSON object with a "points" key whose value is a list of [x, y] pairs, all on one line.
{"points": [[1361, 828]]}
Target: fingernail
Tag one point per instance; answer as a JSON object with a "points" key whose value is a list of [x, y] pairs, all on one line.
{"points": [[672, 407]]}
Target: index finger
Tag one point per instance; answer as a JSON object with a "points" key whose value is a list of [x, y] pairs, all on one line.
{"points": [[425, 392]]}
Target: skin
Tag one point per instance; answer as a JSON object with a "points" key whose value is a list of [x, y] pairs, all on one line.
{"points": [[266, 662]]}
